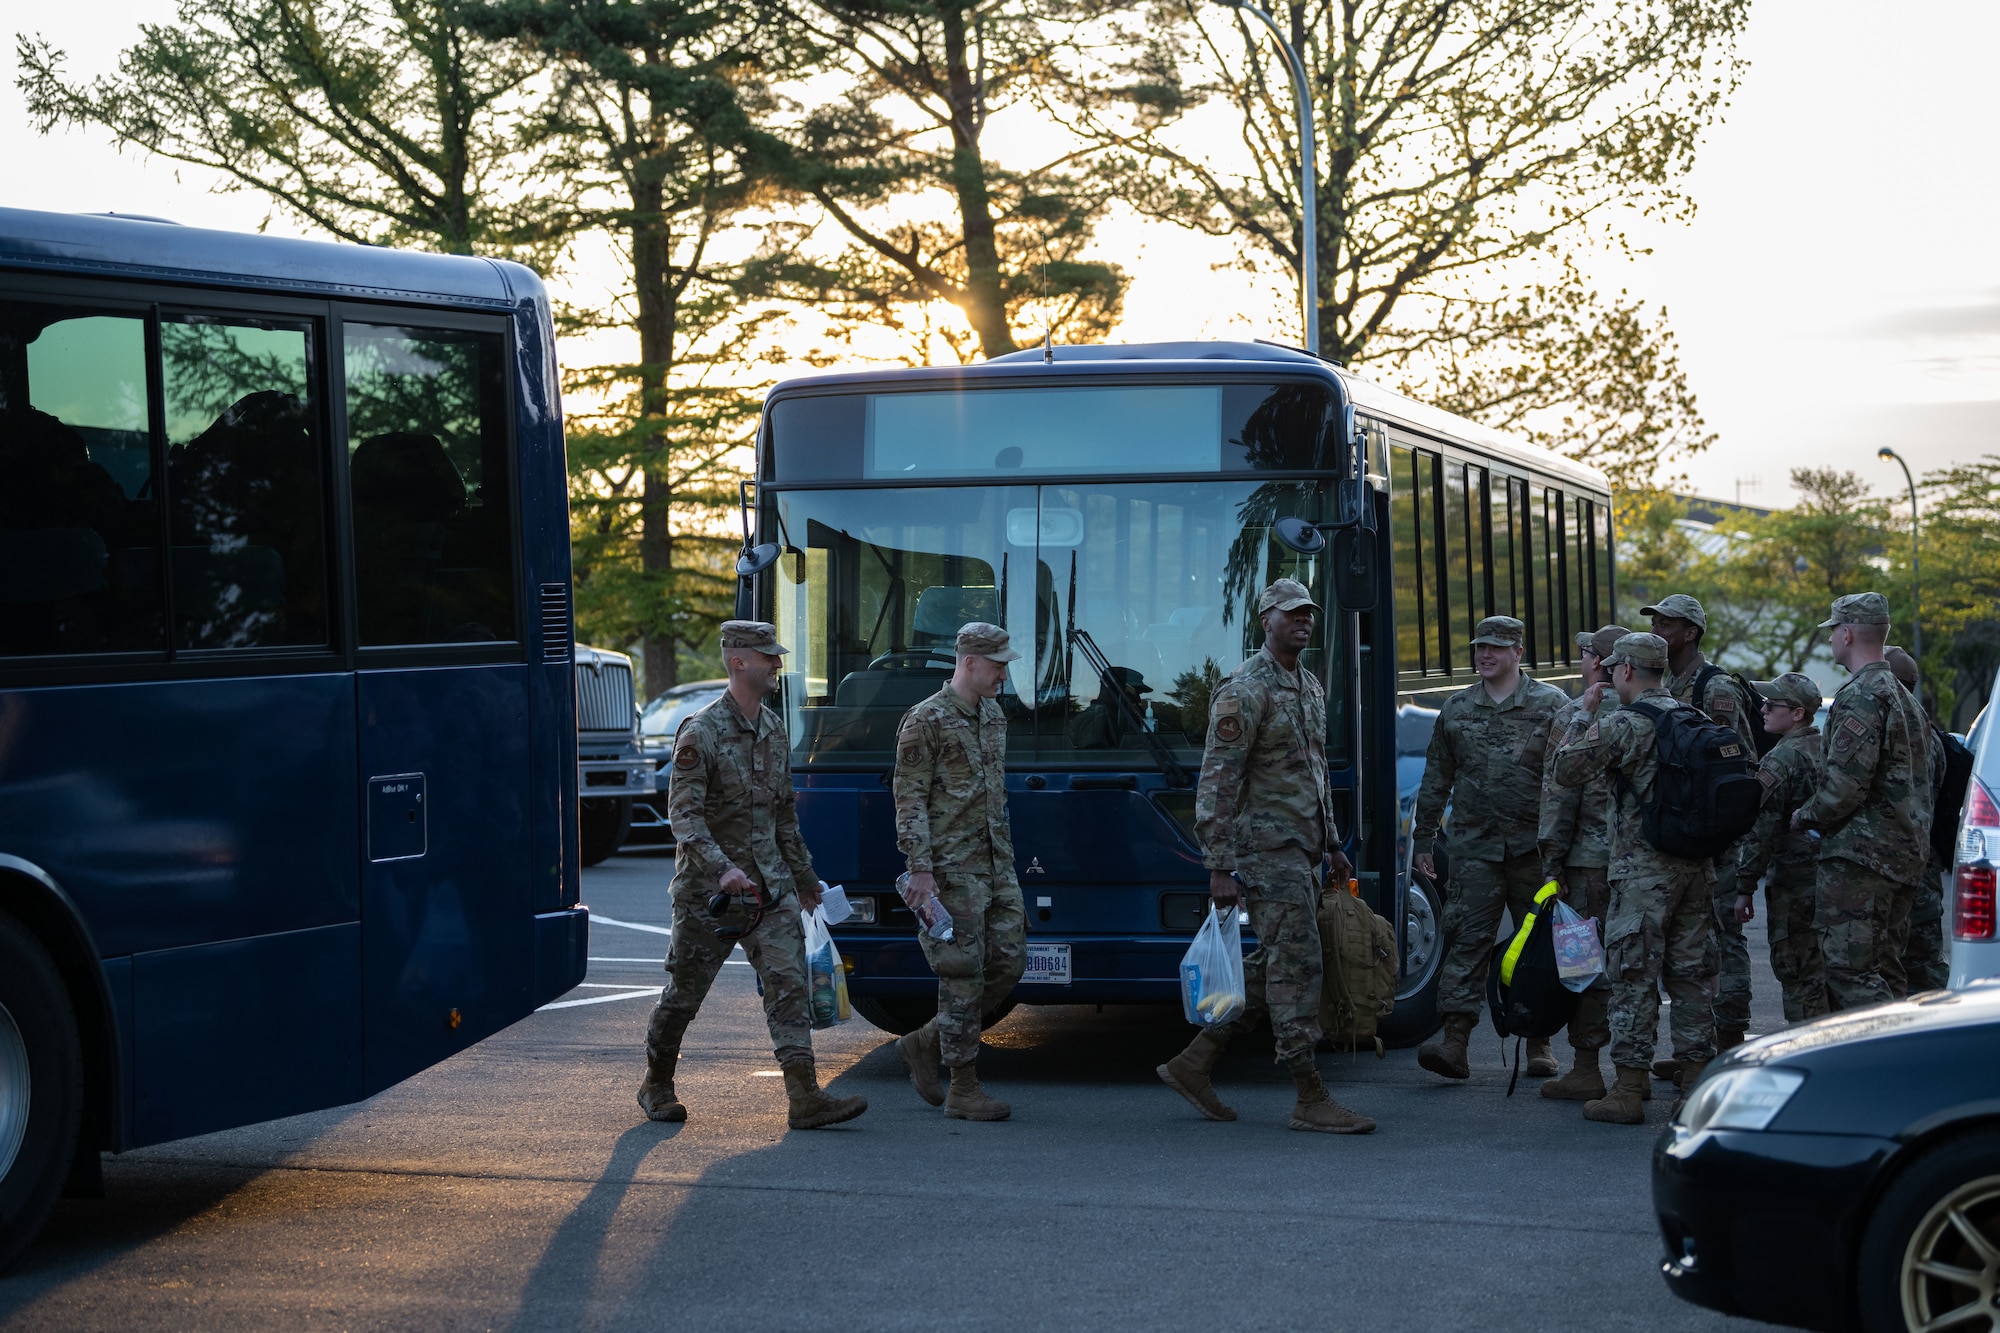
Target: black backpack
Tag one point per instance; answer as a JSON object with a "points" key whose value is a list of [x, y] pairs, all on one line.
{"points": [[1524, 992], [1950, 803], [1765, 740], [1707, 794]]}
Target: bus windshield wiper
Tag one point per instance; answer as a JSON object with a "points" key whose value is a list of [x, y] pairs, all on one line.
{"points": [[1177, 776]]}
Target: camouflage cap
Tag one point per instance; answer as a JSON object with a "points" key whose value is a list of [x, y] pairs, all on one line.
{"points": [[752, 634], [979, 639], [1858, 608], [1285, 595], [1601, 643], [1679, 606], [1796, 688], [1645, 651], [1501, 632]]}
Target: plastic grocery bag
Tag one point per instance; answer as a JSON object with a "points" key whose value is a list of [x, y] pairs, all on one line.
{"points": [[1579, 952], [1212, 971], [826, 981]]}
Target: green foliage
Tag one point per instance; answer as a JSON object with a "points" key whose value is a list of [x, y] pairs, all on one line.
{"points": [[1960, 558], [1191, 692]]}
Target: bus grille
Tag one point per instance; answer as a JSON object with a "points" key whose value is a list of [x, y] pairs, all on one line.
{"points": [[604, 697], [555, 622]]}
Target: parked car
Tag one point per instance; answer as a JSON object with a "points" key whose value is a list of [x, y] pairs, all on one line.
{"points": [[1970, 905], [658, 721], [611, 770], [1844, 1174]]}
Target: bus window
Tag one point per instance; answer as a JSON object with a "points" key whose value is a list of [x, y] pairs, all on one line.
{"points": [[1406, 525], [1459, 565], [428, 466], [1477, 552], [1548, 578], [79, 517], [1506, 601], [1437, 602], [1600, 545], [1581, 568], [243, 484]]}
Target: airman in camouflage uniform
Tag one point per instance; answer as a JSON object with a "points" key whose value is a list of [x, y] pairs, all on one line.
{"points": [[1871, 808], [736, 830], [1264, 818], [1661, 926], [951, 824], [1484, 756], [1575, 843], [1790, 773], [1680, 620], [1919, 943]]}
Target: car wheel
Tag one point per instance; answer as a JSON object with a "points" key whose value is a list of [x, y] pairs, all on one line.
{"points": [[1930, 1257], [41, 1087], [602, 823], [1416, 1014]]}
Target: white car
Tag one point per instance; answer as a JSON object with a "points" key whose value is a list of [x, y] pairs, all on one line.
{"points": [[1970, 903]]}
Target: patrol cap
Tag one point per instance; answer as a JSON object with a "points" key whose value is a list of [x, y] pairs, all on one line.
{"points": [[752, 634], [1285, 595], [1601, 643], [1858, 608], [1680, 606], [1796, 688], [1501, 632], [979, 639], [1131, 680], [1645, 651]]}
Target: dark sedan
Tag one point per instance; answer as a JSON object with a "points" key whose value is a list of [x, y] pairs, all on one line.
{"points": [[1845, 1174]]}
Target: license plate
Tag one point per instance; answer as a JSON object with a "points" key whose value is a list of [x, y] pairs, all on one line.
{"points": [[1048, 965]]}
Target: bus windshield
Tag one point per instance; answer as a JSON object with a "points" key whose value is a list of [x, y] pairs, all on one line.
{"points": [[1159, 578]]}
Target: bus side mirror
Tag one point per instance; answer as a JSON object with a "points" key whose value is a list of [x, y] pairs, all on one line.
{"points": [[757, 559], [1354, 572], [1298, 535]]}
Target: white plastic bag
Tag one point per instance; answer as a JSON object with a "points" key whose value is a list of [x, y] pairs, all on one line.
{"points": [[1579, 952], [826, 984], [1212, 989]]}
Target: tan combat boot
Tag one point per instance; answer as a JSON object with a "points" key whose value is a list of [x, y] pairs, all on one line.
{"points": [[656, 1092], [810, 1107], [1316, 1109], [968, 1101], [1622, 1105], [1583, 1083], [1691, 1071], [1446, 1054], [1187, 1074], [1541, 1059], [919, 1050]]}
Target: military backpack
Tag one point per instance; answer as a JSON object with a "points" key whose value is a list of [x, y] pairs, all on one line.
{"points": [[1524, 989], [1358, 954], [1763, 739], [1706, 794], [1949, 804]]}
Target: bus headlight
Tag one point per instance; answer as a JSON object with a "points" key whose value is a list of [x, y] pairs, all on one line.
{"points": [[1740, 1099]]}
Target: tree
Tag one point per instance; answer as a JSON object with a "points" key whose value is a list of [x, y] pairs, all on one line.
{"points": [[896, 160], [1961, 581], [1473, 157], [383, 122]]}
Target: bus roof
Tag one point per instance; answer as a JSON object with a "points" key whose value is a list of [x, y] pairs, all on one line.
{"points": [[1209, 356], [148, 248]]}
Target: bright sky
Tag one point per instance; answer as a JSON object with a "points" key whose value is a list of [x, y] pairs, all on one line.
{"points": [[1839, 290]]}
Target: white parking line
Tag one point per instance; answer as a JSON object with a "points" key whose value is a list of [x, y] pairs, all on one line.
{"points": [[594, 959], [596, 920], [602, 999]]}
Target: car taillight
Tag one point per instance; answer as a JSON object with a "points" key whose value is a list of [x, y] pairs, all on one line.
{"points": [[1973, 876]]}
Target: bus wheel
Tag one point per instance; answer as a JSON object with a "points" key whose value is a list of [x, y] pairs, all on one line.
{"points": [[1416, 1015], [41, 1087], [898, 1015], [602, 823]]}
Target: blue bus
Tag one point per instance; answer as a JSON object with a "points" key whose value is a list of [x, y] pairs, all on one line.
{"points": [[1119, 509], [288, 750]]}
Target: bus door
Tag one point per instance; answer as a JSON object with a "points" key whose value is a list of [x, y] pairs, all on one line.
{"points": [[442, 693]]}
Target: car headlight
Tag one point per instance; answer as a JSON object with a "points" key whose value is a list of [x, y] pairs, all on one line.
{"points": [[1740, 1099]]}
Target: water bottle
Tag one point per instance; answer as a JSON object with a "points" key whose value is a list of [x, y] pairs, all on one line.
{"points": [[931, 913]]}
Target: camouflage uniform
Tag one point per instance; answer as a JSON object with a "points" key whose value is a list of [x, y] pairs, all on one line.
{"points": [[731, 803], [1925, 966], [1263, 812], [1791, 772], [1574, 839], [1723, 701], [951, 819], [1661, 925], [1871, 811], [1478, 753]]}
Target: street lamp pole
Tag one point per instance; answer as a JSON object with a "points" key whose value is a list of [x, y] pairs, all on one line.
{"points": [[1308, 172], [1916, 581]]}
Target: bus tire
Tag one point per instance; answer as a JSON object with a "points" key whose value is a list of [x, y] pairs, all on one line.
{"points": [[601, 824], [41, 1087], [1416, 1014], [904, 1015]]}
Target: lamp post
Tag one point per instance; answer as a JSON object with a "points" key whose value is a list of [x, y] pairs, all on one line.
{"points": [[1916, 582], [1308, 173]]}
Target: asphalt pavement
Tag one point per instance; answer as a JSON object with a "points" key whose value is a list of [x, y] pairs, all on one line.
{"points": [[518, 1187]]}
